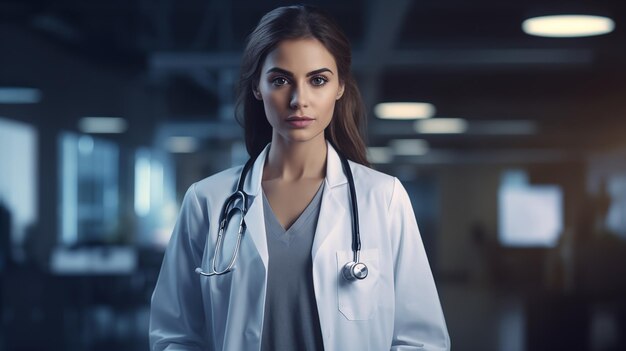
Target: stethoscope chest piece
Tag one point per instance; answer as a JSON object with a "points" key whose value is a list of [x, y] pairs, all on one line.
{"points": [[354, 271]]}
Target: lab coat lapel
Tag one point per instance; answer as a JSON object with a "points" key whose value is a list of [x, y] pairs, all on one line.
{"points": [[334, 214], [255, 220], [334, 217]]}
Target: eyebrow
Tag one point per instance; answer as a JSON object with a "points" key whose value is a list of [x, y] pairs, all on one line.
{"points": [[287, 73]]}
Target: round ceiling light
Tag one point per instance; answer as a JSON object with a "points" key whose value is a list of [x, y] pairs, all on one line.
{"points": [[568, 26]]}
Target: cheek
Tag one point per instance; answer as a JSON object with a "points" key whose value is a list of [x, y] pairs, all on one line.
{"points": [[329, 102], [274, 106], [273, 101]]}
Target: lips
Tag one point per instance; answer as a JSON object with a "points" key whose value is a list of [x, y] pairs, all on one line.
{"points": [[299, 121]]}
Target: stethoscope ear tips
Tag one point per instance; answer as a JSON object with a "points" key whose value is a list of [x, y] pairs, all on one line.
{"points": [[354, 271]]}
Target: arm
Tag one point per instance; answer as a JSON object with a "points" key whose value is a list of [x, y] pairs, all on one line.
{"points": [[419, 321], [177, 313]]}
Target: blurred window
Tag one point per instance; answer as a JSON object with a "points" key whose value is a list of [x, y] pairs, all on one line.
{"points": [[616, 218], [528, 215], [89, 190], [18, 183]]}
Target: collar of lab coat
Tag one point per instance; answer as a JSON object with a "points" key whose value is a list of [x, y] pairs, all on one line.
{"points": [[333, 209], [334, 172]]}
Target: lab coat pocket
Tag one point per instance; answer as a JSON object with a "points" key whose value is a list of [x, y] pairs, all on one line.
{"points": [[357, 299]]}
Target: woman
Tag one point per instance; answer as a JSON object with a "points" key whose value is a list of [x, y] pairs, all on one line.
{"points": [[299, 281]]}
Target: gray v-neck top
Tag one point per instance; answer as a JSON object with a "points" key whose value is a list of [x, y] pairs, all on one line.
{"points": [[291, 321]]}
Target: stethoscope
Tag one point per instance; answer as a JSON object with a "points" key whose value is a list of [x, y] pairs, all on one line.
{"points": [[237, 203]]}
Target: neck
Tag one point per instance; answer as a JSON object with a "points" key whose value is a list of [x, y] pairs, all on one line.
{"points": [[293, 161]]}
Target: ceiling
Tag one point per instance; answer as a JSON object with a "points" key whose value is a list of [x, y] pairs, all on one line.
{"points": [[468, 58]]}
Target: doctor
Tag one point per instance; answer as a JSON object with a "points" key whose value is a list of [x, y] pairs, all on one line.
{"points": [[288, 288]]}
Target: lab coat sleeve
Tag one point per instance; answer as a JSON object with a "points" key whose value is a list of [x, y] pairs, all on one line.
{"points": [[177, 319], [419, 322]]}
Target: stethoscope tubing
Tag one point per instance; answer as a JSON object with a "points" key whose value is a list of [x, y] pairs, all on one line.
{"points": [[240, 195], [356, 234]]}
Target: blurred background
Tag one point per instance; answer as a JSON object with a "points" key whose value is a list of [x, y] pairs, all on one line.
{"points": [[508, 132]]}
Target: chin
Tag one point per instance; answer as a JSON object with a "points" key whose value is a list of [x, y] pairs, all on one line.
{"points": [[301, 136]]}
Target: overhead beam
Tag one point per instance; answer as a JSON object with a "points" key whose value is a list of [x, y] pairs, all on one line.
{"points": [[445, 157], [191, 61]]}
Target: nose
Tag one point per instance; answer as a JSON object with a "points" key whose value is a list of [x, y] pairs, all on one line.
{"points": [[299, 98]]}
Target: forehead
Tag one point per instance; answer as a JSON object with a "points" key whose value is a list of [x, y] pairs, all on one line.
{"points": [[300, 56]]}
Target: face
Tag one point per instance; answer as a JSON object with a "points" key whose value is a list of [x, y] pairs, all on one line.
{"points": [[299, 85]]}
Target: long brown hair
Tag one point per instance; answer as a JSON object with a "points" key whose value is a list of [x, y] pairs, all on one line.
{"points": [[346, 129]]}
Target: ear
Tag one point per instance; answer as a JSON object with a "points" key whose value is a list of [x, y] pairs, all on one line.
{"points": [[256, 92], [342, 87]]}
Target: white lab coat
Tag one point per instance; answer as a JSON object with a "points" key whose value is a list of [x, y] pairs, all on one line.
{"points": [[395, 308]]}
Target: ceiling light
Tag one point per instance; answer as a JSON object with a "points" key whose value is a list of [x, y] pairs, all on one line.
{"points": [[409, 147], [102, 125], [404, 110], [181, 144], [17, 95], [564, 26], [441, 126]]}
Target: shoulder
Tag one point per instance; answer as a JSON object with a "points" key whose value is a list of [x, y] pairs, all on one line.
{"points": [[384, 187], [374, 181], [216, 184]]}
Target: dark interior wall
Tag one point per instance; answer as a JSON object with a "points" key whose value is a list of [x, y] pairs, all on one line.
{"points": [[469, 200], [469, 195]]}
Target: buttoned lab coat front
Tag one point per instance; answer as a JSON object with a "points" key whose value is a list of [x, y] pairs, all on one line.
{"points": [[395, 308]]}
